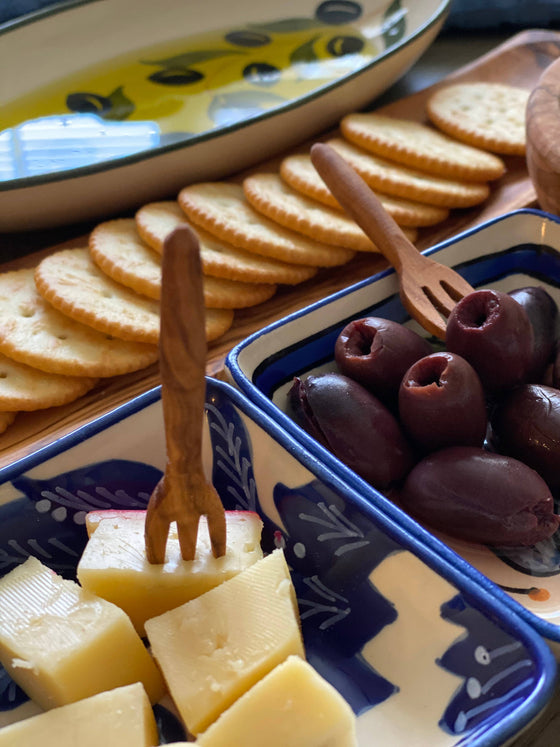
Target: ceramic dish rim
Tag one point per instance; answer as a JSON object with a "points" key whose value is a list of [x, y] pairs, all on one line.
{"points": [[462, 580], [36, 16], [546, 629]]}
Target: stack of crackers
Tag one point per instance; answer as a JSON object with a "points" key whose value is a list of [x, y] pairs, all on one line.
{"points": [[87, 313]]}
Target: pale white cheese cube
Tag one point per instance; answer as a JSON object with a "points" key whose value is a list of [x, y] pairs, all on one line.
{"points": [[214, 648], [292, 705], [114, 564], [61, 643], [121, 717]]}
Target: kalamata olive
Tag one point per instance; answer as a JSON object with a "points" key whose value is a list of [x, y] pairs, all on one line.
{"points": [[354, 425], [526, 425], [493, 332], [480, 496], [555, 373], [441, 403], [377, 352], [542, 311]]}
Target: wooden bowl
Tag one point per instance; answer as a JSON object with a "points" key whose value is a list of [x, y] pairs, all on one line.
{"points": [[543, 138]]}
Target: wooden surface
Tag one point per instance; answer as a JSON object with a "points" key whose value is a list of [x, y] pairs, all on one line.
{"points": [[520, 60]]}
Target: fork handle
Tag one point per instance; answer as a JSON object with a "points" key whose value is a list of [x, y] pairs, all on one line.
{"points": [[183, 349], [360, 202]]}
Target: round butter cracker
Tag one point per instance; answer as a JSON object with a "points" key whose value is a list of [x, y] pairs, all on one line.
{"points": [[156, 220], [298, 171], [275, 199], [421, 147], [28, 389], [392, 178], [222, 209], [33, 332], [71, 282], [116, 247], [486, 115]]}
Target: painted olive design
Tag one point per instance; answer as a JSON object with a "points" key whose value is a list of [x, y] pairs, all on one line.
{"points": [[339, 46], [248, 38], [338, 12], [261, 73], [88, 103], [170, 76]]}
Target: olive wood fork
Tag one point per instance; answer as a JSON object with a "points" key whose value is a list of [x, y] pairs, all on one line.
{"points": [[183, 493], [428, 289]]}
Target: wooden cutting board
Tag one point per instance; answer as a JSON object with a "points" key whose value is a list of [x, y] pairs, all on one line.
{"points": [[519, 61]]}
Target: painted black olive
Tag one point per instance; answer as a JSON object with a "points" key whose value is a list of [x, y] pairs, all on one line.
{"points": [[261, 73], [248, 38], [339, 46], [88, 103], [176, 76], [338, 12]]}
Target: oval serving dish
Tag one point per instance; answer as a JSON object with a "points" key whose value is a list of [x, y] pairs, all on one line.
{"points": [[518, 249], [116, 104], [410, 641]]}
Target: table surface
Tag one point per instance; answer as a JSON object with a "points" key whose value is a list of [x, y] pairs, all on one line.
{"points": [[450, 51]]}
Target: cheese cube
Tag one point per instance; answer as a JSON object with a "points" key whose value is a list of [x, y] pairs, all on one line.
{"points": [[118, 718], [61, 643], [214, 648], [291, 705], [114, 564]]}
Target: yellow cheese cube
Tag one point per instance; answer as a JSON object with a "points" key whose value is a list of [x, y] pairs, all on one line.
{"points": [[292, 705], [214, 648], [114, 564], [117, 718], [61, 643]]}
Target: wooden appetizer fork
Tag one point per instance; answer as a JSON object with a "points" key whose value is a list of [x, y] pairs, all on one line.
{"points": [[183, 493], [428, 289]]}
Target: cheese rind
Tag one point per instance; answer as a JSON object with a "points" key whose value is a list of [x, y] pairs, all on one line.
{"points": [[61, 643], [114, 564], [117, 718], [214, 648], [291, 705]]}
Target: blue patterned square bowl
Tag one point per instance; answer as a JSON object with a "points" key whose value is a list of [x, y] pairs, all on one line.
{"points": [[514, 250], [410, 641]]}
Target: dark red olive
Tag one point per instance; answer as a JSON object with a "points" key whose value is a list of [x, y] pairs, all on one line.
{"points": [[441, 403], [526, 425], [354, 425], [482, 497], [555, 373], [377, 352], [542, 311], [493, 332]]}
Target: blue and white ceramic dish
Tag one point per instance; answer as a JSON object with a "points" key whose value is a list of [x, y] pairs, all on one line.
{"points": [[98, 97], [411, 642], [521, 248]]}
